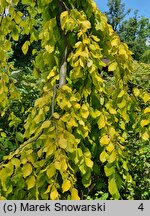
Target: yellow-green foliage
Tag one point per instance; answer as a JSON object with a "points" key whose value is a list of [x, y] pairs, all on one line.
{"points": [[76, 129], [141, 75]]}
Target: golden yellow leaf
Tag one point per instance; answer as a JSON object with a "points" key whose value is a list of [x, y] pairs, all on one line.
{"points": [[25, 47], [115, 41], [121, 93], [147, 110], [63, 14], [84, 111], [51, 74], [54, 195], [95, 38], [145, 136], [103, 156], [30, 182], [112, 157], [101, 121], [112, 132], [112, 66], [146, 97], [89, 162], [136, 92], [51, 170], [48, 189], [122, 52], [45, 124], [15, 162], [66, 185], [49, 48], [104, 140], [122, 125], [110, 147], [74, 194], [122, 104], [26, 170], [145, 122], [62, 142], [112, 186], [56, 115], [112, 111], [57, 165]]}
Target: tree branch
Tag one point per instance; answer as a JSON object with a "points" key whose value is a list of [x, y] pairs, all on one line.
{"points": [[63, 69], [3, 15]]}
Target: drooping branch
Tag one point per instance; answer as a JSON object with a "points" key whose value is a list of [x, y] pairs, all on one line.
{"points": [[63, 66], [3, 15], [63, 69]]}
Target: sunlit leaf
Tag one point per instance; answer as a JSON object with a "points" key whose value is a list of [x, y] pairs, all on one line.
{"points": [[66, 185], [26, 170], [74, 194], [54, 195], [104, 140], [30, 182], [112, 186], [25, 47], [112, 66]]}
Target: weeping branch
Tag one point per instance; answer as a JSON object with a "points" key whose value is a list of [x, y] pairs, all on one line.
{"points": [[63, 66], [3, 15], [63, 69]]}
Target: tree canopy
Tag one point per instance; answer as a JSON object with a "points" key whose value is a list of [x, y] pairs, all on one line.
{"points": [[134, 31]]}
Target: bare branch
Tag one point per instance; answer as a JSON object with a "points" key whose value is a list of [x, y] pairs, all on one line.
{"points": [[63, 69]]}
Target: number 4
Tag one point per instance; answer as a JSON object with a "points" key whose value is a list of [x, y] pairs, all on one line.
{"points": [[141, 207]]}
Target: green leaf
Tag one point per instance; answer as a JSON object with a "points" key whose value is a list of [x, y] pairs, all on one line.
{"points": [[19, 136], [109, 170], [3, 134]]}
